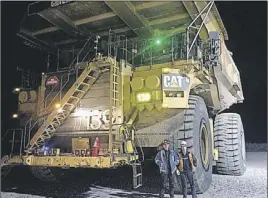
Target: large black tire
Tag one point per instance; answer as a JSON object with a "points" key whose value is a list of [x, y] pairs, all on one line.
{"points": [[230, 141], [196, 132], [43, 173]]}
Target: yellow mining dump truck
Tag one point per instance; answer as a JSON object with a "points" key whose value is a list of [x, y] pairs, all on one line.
{"points": [[131, 74]]}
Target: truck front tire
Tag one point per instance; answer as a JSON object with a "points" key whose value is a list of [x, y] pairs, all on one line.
{"points": [[43, 173], [196, 132]]}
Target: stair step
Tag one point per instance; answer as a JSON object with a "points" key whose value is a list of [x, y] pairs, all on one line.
{"points": [[75, 97], [85, 84], [79, 90], [92, 77]]}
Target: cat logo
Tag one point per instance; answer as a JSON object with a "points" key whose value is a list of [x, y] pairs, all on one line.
{"points": [[175, 82]]}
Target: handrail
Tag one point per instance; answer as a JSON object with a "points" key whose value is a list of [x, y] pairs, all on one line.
{"points": [[50, 93], [77, 56], [13, 138], [47, 106], [31, 126]]}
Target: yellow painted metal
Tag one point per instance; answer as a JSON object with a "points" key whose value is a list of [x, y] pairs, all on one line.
{"points": [[57, 151], [214, 151], [180, 64], [204, 135], [64, 101], [215, 154], [152, 82], [75, 162], [80, 143], [15, 160], [211, 23], [23, 97], [129, 146], [137, 83]]}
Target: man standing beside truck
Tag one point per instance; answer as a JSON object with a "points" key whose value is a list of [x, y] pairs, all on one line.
{"points": [[187, 166], [167, 161]]}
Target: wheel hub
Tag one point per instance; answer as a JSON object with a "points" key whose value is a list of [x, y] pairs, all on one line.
{"points": [[204, 146]]}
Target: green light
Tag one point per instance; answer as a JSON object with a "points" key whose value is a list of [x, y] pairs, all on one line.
{"points": [[158, 41]]}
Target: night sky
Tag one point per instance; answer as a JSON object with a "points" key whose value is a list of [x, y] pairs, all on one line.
{"points": [[246, 24]]}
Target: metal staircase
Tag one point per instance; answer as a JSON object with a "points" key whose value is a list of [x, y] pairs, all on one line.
{"points": [[68, 104]]}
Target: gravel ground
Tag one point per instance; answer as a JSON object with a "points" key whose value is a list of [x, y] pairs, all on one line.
{"points": [[109, 184], [253, 147]]}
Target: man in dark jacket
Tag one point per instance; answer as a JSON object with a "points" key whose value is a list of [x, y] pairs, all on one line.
{"points": [[187, 166], [167, 160]]}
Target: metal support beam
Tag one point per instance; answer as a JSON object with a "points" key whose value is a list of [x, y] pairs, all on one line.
{"points": [[61, 21], [28, 37], [126, 11], [125, 29], [206, 9], [139, 7]]}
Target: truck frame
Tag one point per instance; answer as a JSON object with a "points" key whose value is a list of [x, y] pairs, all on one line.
{"points": [[132, 75]]}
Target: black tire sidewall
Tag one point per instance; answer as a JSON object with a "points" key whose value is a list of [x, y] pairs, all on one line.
{"points": [[202, 177]]}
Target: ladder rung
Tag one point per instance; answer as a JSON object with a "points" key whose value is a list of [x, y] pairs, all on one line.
{"points": [[85, 84], [138, 186], [79, 90], [115, 83], [137, 175]]}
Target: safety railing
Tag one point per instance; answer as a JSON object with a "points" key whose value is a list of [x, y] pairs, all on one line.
{"points": [[15, 139], [140, 52]]}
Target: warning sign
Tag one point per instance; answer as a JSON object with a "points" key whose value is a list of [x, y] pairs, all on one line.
{"points": [[53, 80]]}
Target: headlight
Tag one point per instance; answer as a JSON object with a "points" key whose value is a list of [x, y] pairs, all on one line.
{"points": [[143, 97]]}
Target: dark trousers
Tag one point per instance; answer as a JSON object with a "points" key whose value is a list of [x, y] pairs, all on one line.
{"points": [[163, 181], [190, 176]]}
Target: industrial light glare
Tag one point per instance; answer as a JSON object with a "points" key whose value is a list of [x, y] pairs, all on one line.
{"points": [[165, 70], [57, 105], [60, 110], [15, 115], [143, 97], [165, 105], [16, 90], [158, 41]]}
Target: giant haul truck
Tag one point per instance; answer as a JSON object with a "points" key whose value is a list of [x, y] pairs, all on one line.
{"points": [[120, 78]]}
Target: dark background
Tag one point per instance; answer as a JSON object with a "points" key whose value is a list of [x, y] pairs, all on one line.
{"points": [[246, 24]]}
